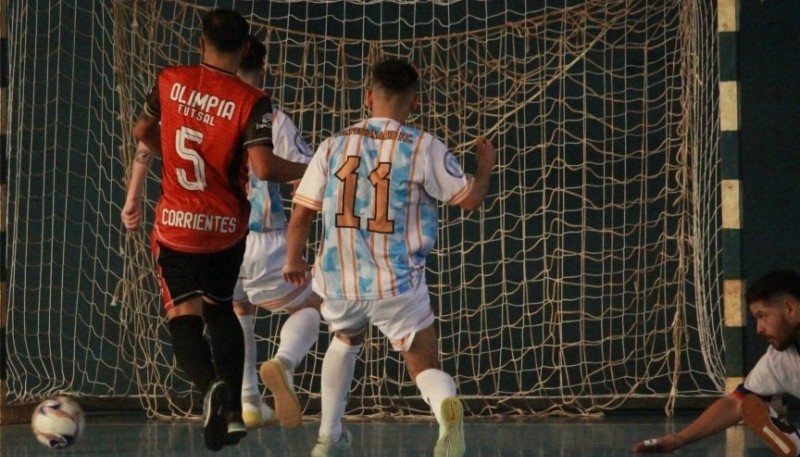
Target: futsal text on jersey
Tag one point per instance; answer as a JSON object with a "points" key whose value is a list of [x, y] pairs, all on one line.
{"points": [[202, 107]]}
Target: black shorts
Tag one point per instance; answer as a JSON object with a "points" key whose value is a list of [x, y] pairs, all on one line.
{"points": [[184, 275]]}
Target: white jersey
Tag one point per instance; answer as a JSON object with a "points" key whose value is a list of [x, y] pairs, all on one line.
{"points": [[776, 373], [377, 184], [266, 206]]}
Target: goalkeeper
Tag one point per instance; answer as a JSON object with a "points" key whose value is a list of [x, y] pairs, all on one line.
{"points": [[774, 301]]}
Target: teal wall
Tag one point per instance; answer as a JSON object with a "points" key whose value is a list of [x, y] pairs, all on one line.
{"points": [[769, 77]]}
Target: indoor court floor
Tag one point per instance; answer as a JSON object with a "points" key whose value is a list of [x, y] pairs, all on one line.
{"points": [[613, 435]]}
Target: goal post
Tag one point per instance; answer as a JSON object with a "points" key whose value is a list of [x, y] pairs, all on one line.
{"points": [[589, 281]]}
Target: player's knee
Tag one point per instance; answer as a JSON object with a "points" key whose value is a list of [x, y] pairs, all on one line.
{"points": [[190, 306], [313, 301], [217, 310], [243, 308], [351, 337]]}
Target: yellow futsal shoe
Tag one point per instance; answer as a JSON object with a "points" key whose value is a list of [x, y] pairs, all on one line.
{"points": [[257, 415], [451, 430], [278, 380]]}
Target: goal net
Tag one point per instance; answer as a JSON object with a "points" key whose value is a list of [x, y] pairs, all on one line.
{"points": [[590, 279]]}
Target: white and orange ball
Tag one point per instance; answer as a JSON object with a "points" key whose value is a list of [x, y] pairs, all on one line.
{"points": [[58, 422]]}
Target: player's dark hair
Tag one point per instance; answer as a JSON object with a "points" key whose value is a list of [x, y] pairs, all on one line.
{"points": [[225, 30], [773, 284], [395, 76], [254, 57]]}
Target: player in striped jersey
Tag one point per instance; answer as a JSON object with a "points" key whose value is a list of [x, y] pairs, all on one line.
{"points": [[260, 279], [774, 300], [376, 185]]}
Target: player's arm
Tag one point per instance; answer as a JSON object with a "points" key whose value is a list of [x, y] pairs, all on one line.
{"points": [[295, 268], [486, 157], [147, 129], [147, 132], [266, 165], [289, 144], [132, 210], [723, 413], [307, 202]]}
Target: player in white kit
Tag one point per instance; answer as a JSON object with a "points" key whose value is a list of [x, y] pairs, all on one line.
{"points": [[377, 185], [774, 301], [260, 278]]}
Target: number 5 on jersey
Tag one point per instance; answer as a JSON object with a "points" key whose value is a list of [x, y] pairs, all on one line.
{"points": [[182, 136]]}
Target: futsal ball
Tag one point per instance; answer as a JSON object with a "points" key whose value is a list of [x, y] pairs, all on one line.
{"points": [[58, 422]]}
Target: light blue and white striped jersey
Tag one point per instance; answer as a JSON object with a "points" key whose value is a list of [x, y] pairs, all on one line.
{"points": [[266, 213], [376, 184]]}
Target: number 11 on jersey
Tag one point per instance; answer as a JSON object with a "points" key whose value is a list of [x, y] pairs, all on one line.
{"points": [[379, 178]]}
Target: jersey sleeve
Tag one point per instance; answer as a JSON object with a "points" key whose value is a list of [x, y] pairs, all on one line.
{"points": [[444, 178], [288, 144], [258, 129], [762, 379], [311, 191]]}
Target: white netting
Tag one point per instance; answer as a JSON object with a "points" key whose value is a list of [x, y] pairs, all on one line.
{"points": [[591, 277]]}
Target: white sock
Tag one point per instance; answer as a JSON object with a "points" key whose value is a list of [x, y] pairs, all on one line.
{"points": [[338, 367], [250, 391], [298, 334], [436, 385]]}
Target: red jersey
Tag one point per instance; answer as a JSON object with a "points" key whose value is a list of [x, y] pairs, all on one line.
{"points": [[208, 119]]}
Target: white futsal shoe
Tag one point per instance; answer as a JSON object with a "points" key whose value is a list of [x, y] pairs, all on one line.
{"points": [[326, 447]]}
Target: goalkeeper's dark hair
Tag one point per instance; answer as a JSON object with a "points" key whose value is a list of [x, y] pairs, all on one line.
{"points": [[773, 285], [395, 76], [225, 30], [253, 59]]}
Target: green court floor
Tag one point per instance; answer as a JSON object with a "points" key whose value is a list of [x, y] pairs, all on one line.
{"points": [[614, 435]]}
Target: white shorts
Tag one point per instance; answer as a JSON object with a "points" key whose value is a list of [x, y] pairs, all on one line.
{"points": [[399, 317], [261, 275]]}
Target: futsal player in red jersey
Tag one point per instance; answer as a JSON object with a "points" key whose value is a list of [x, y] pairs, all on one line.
{"points": [[206, 124]]}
